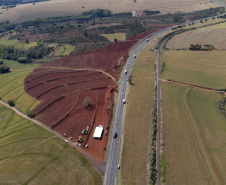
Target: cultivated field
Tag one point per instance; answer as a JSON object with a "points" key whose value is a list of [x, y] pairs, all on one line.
{"points": [[202, 68], [215, 35], [194, 135], [12, 88], [134, 159], [61, 87], [69, 7], [31, 155], [23, 46], [118, 36], [64, 50]]}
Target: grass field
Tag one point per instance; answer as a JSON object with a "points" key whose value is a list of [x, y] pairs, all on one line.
{"points": [[31, 155], [16, 65], [215, 35], [4, 41], [64, 50], [12, 88], [134, 159], [194, 136], [70, 7], [118, 36], [196, 67]]}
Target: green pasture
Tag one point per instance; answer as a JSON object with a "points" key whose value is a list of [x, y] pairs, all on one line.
{"points": [[194, 136], [64, 50], [31, 155], [12, 88], [23, 46], [118, 36], [16, 65], [203, 68]]}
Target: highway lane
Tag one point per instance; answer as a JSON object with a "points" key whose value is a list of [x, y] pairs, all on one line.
{"points": [[113, 150]]}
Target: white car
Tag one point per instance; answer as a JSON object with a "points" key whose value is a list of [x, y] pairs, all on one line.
{"points": [[118, 166], [66, 141], [134, 56], [147, 40], [70, 138]]}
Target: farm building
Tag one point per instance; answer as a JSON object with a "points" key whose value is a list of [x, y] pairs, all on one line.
{"points": [[98, 132]]}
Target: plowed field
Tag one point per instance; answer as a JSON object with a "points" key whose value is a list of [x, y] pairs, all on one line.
{"points": [[61, 87]]}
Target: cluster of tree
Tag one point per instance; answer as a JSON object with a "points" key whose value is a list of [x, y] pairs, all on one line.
{"points": [[14, 2], [37, 52], [3, 68], [6, 26], [98, 13], [11, 103], [199, 47], [148, 12], [8, 6], [10, 53]]}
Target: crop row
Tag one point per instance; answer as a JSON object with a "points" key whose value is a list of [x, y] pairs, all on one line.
{"points": [[63, 85], [46, 74], [66, 115], [59, 78], [52, 102]]}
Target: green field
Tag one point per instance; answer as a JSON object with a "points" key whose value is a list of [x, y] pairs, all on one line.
{"points": [[31, 155], [118, 36], [16, 65], [23, 46], [12, 88], [194, 136], [203, 68], [64, 50], [134, 159]]}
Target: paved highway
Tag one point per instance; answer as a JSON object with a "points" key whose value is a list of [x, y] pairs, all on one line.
{"points": [[113, 150]]}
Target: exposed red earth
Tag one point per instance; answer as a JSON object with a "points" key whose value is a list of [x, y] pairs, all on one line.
{"points": [[62, 85]]}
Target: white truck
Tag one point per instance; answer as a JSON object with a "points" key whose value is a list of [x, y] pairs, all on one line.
{"points": [[125, 71], [123, 101]]}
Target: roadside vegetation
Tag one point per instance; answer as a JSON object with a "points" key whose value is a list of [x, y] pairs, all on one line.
{"points": [[32, 155], [193, 134], [137, 123]]}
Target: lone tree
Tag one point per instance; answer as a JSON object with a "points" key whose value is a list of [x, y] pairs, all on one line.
{"points": [[86, 102], [130, 80], [11, 103]]}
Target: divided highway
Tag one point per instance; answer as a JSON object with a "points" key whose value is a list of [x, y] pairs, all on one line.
{"points": [[114, 147], [113, 150]]}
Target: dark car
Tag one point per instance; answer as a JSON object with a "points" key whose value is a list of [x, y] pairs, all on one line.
{"points": [[115, 135]]}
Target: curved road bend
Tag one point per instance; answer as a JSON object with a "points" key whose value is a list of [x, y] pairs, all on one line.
{"points": [[113, 151]]}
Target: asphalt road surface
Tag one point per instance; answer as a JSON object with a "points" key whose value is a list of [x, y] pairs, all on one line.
{"points": [[113, 150]]}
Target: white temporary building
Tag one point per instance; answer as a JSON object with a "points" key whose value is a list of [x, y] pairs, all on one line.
{"points": [[98, 132]]}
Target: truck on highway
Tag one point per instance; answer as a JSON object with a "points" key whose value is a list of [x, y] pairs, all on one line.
{"points": [[123, 101]]}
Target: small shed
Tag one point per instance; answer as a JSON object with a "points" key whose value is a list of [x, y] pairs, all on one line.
{"points": [[98, 132]]}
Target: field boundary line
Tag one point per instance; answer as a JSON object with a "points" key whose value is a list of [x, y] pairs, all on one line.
{"points": [[190, 85]]}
